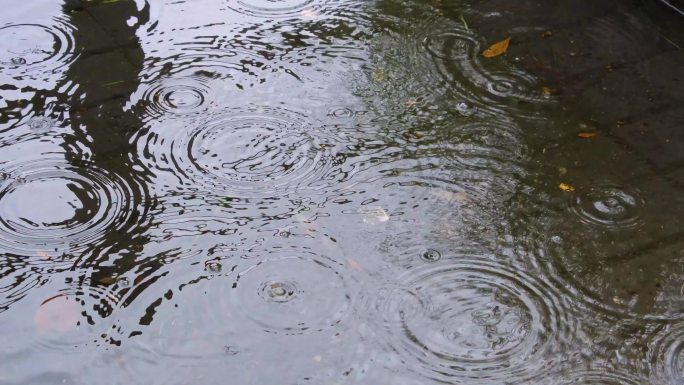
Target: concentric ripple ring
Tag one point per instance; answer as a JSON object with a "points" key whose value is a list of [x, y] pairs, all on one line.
{"points": [[292, 294], [245, 152], [57, 207], [666, 355], [483, 321], [28, 47], [610, 207]]}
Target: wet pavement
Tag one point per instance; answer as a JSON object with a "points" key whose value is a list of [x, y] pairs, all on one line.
{"points": [[341, 192]]}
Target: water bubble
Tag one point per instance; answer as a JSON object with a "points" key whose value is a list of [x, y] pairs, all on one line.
{"points": [[280, 291], [430, 255], [40, 124], [18, 61], [213, 266], [464, 109], [374, 215]]}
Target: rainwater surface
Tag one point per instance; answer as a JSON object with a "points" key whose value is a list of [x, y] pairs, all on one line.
{"points": [[318, 192]]}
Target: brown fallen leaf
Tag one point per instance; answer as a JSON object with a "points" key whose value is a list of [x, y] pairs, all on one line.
{"points": [[497, 49], [546, 34], [547, 91], [566, 187], [586, 134]]}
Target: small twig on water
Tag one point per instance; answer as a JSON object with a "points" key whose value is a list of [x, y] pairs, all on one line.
{"points": [[464, 22]]}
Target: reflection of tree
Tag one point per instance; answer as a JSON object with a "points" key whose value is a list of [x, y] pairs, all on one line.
{"points": [[104, 76], [92, 93]]}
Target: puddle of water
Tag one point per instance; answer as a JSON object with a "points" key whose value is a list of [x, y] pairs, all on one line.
{"points": [[332, 192]]}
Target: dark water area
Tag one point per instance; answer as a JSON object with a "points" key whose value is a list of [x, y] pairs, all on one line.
{"points": [[341, 192]]}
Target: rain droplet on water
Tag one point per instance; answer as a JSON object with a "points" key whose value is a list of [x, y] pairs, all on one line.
{"points": [[213, 266], [430, 255]]}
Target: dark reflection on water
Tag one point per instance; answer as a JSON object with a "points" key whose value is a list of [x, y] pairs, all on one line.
{"points": [[329, 192]]}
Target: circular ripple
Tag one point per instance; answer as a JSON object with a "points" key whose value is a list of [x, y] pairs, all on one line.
{"points": [[55, 207], [454, 53], [615, 285], [292, 304], [25, 47], [604, 377], [342, 112], [52, 322], [512, 84], [494, 147], [277, 8], [40, 124], [666, 355], [24, 125], [63, 323], [430, 255], [417, 85], [451, 43], [610, 207], [181, 95], [397, 304], [484, 320], [463, 155], [254, 151], [292, 295], [18, 276]]}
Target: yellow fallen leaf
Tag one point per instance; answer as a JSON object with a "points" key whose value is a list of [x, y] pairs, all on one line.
{"points": [[497, 49], [566, 187], [586, 135], [547, 91]]}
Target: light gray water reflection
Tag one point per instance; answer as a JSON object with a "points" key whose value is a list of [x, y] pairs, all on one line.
{"points": [[333, 192]]}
